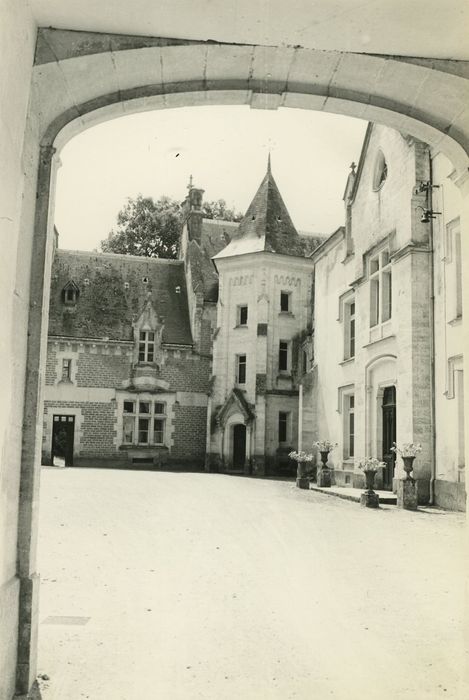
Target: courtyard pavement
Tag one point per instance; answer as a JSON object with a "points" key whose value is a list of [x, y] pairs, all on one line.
{"points": [[164, 586]]}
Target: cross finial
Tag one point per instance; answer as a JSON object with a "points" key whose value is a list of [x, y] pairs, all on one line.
{"points": [[352, 167], [269, 170], [191, 183]]}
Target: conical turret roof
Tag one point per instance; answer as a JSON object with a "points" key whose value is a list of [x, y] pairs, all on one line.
{"points": [[266, 226]]}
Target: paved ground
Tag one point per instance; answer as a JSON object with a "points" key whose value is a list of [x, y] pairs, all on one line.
{"points": [[159, 586]]}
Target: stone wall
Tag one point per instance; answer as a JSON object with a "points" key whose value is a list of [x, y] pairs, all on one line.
{"points": [[95, 392], [19, 164], [189, 435], [394, 352]]}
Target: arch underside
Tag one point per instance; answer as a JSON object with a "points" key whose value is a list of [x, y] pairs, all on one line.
{"points": [[74, 90]]}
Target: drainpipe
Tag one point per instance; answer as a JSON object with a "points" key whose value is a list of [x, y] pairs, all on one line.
{"points": [[300, 416], [432, 342]]}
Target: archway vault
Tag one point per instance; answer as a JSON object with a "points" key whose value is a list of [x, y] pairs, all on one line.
{"points": [[81, 79]]}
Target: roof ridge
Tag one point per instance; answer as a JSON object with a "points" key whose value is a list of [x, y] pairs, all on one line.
{"points": [[117, 256]]}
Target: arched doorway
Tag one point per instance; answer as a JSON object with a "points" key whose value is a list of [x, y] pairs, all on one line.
{"points": [[239, 447], [419, 99]]}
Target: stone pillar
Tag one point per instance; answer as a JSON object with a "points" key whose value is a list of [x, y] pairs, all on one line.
{"points": [[407, 494], [33, 419]]}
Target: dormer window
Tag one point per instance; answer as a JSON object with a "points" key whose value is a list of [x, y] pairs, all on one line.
{"points": [[70, 294], [146, 346]]}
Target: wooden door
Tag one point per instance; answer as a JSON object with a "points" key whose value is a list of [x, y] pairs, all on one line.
{"points": [[239, 446], [389, 434], [63, 429]]}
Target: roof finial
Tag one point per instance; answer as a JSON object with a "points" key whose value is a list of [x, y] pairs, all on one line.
{"points": [[352, 167], [269, 169]]}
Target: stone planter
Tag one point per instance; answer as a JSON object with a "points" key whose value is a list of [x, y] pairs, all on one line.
{"points": [[324, 473], [407, 488], [408, 467], [369, 498], [302, 481]]}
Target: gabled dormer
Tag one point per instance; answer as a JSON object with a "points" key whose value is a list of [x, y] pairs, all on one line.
{"points": [[70, 293], [148, 335]]}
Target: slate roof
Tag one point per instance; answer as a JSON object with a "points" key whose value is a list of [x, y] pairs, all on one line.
{"points": [[266, 226], [105, 308], [216, 234]]}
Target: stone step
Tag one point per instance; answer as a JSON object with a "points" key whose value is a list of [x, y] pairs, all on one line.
{"points": [[351, 494]]}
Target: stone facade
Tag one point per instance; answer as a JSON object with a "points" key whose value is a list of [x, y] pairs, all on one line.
{"points": [[387, 367], [366, 325], [123, 365]]}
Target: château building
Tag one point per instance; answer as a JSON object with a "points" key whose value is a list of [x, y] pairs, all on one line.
{"points": [[259, 338]]}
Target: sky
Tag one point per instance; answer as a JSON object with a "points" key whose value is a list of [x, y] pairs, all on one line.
{"points": [[224, 148]]}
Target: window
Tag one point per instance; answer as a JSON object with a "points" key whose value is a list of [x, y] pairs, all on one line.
{"points": [[241, 369], [283, 356], [70, 294], [380, 289], [283, 420], [380, 172], [143, 423], [349, 426], [304, 361], [146, 346], [242, 317], [454, 273], [285, 301], [349, 329], [66, 370], [458, 273]]}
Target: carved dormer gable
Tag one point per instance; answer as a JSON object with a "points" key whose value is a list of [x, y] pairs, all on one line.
{"points": [[148, 335], [236, 402]]}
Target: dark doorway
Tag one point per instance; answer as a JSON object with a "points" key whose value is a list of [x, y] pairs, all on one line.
{"points": [[239, 446], [389, 435], [62, 440]]}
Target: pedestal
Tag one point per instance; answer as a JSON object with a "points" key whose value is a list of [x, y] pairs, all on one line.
{"points": [[369, 499], [302, 482], [407, 494], [324, 478]]}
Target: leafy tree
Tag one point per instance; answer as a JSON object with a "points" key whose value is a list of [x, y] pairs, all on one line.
{"points": [[146, 227], [151, 228], [218, 210]]}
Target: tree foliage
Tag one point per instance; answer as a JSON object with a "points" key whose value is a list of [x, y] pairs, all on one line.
{"points": [[218, 210], [146, 227], [151, 227]]}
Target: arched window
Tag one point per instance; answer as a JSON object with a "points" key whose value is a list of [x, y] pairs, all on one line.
{"points": [[380, 172]]}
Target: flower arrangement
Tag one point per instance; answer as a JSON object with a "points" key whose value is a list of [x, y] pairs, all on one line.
{"points": [[301, 456], [370, 464], [409, 449], [325, 445]]}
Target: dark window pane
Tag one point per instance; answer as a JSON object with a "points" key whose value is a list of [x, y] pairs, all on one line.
{"points": [[243, 315], [143, 425], [242, 369], [282, 426], [142, 335], [284, 301], [283, 356], [129, 406], [159, 407], [144, 407], [151, 336], [158, 432]]}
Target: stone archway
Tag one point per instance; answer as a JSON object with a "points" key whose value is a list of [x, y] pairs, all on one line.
{"points": [[81, 79]]}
